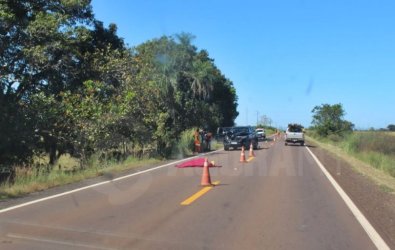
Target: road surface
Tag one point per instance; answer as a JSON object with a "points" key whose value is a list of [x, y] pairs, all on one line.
{"points": [[278, 200]]}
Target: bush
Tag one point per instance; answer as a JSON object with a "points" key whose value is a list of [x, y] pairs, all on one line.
{"points": [[185, 144], [328, 119]]}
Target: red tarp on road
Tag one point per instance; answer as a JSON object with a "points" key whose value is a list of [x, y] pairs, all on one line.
{"points": [[198, 162]]}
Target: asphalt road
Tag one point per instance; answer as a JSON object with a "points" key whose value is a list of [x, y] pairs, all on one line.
{"points": [[279, 200]]}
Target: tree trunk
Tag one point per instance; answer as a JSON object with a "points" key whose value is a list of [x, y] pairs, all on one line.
{"points": [[52, 154]]}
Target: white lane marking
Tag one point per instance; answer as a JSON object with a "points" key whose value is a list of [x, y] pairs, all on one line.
{"points": [[101, 183], [369, 229], [57, 242]]}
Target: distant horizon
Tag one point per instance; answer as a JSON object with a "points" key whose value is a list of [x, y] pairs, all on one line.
{"points": [[284, 57]]}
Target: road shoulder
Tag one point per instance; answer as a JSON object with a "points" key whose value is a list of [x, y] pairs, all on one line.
{"points": [[377, 205]]}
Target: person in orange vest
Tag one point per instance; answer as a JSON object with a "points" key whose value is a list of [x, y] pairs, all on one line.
{"points": [[197, 141]]}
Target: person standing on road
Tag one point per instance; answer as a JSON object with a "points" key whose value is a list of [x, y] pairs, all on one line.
{"points": [[197, 141]]}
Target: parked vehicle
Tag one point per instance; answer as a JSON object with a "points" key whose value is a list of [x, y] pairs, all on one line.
{"points": [[221, 133], [237, 137], [294, 134], [261, 134]]}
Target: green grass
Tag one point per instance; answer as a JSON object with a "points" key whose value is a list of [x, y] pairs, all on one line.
{"points": [[270, 132], [33, 180], [370, 153], [374, 148], [185, 146], [67, 169]]}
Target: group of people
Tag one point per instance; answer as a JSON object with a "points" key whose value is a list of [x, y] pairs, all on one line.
{"points": [[202, 140]]}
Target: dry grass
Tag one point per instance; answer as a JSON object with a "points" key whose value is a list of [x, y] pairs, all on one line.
{"points": [[33, 180], [380, 177], [375, 148], [390, 133]]}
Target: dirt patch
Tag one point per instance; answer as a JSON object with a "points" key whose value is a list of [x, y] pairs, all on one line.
{"points": [[375, 201]]}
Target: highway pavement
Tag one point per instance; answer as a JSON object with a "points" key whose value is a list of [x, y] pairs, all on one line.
{"points": [[280, 199]]}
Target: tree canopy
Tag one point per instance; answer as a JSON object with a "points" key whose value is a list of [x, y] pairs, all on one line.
{"points": [[329, 120], [391, 127], [69, 84]]}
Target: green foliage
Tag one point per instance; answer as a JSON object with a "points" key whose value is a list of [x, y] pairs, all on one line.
{"points": [[375, 148], [185, 144], [391, 127], [30, 180], [373, 142], [328, 121], [187, 90], [69, 85]]}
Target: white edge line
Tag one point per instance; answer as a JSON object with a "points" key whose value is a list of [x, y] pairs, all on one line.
{"points": [[369, 229], [101, 183], [56, 242]]}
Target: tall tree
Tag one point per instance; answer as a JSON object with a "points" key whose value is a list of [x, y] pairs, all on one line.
{"points": [[49, 48], [329, 119], [192, 92]]}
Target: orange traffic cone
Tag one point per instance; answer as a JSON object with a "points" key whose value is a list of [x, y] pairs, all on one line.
{"points": [[206, 179], [242, 155], [251, 151]]}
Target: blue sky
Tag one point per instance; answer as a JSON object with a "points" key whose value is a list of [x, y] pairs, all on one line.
{"points": [[284, 57]]}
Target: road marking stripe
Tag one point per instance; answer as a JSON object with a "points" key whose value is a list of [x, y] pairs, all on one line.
{"points": [[198, 194], [101, 183], [57, 242], [369, 229]]}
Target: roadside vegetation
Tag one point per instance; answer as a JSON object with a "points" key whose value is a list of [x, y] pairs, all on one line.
{"points": [[29, 180], [374, 148], [71, 86], [68, 170]]}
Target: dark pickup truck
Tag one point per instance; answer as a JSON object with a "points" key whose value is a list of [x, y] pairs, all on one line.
{"points": [[237, 137]]}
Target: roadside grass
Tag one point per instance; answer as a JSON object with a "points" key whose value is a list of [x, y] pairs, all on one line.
{"points": [[376, 165], [68, 170], [185, 146], [374, 148], [270, 131], [29, 180]]}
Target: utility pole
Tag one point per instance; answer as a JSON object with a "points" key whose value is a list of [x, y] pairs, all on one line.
{"points": [[257, 117], [247, 116]]}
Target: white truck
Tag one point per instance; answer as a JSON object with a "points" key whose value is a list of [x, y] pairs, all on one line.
{"points": [[294, 134]]}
